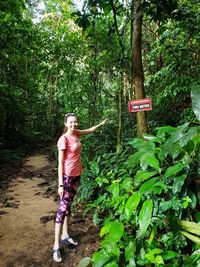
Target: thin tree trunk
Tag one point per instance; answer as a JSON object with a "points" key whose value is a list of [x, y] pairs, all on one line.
{"points": [[138, 75], [94, 77], [119, 132], [51, 106]]}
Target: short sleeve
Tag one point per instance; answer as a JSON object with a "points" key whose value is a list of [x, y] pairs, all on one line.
{"points": [[61, 144], [77, 134]]}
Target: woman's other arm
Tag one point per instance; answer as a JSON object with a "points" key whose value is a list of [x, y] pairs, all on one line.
{"points": [[61, 154]]}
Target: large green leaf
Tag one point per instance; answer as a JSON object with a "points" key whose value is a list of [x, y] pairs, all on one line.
{"points": [[110, 247], [178, 183], [143, 175], [116, 231], [136, 143], [171, 149], [100, 258], [149, 159], [105, 229], [159, 187], [140, 143], [195, 95], [84, 262], [173, 170], [191, 227], [195, 258], [159, 260], [152, 235], [111, 264], [179, 133], [148, 185], [189, 136], [145, 215], [134, 159], [193, 238], [162, 131], [131, 263], [114, 189], [132, 204], [152, 138], [130, 251], [170, 254]]}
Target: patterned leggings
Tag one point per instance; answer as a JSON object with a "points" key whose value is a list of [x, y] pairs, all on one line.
{"points": [[71, 184]]}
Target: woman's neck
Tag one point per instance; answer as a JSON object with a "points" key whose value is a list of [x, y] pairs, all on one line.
{"points": [[68, 132]]}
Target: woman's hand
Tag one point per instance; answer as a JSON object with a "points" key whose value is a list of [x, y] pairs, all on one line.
{"points": [[60, 191], [103, 122]]}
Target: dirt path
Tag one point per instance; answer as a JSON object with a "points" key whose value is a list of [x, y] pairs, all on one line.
{"points": [[27, 220]]}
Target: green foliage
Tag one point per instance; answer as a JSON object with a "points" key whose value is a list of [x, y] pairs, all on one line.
{"points": [[191, 227], [170, 81], [195, 93], [142, 205], [69, 60], [160, 10], [145, 217]]}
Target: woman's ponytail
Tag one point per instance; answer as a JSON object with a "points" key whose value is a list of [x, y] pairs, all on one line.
{"points": [[65, 130]]}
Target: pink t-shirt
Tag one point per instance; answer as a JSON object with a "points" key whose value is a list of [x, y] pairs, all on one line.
{"points": [[72, 160]]}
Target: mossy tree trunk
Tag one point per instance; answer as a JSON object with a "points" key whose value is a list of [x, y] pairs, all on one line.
{"points": [[138, 74]]}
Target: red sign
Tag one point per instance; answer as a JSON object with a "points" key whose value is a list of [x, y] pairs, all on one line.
{"points": [[140, 105]]}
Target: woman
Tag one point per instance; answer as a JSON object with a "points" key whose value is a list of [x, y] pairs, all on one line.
{"points": [[69, 172]]}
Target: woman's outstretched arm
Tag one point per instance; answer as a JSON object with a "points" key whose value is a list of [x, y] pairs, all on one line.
{"points": [[92, 129]]}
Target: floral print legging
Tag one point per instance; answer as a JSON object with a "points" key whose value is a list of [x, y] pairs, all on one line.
{"points": [[71, 184]]}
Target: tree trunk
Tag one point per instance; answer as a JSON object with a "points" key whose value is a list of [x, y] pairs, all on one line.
{"points": [[138, 75], [121, 89], [93, 107], [51, 105]]}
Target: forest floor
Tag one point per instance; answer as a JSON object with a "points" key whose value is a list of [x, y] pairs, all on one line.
{"points": [[28, 205]]}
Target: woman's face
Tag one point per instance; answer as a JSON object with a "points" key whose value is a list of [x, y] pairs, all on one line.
{"points": [[71, 123]]}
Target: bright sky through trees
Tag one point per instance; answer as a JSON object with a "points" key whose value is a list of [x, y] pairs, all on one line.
{"points": [[79, 3], [40, 8]]}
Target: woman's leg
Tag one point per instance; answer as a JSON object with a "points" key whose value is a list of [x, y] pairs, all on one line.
{"points": [[65, 232], [71, 188], [56, 248], [58, 225], [62, 218], [66, 239], [57, 235]]}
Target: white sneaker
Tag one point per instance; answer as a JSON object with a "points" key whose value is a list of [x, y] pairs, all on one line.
{"points": [[57, 255]]}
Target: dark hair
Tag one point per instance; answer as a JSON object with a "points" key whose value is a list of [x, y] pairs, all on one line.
{"points": [[65, 120]]}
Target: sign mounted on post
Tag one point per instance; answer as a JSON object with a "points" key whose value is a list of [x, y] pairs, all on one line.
{"points": [[140, 105]]}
